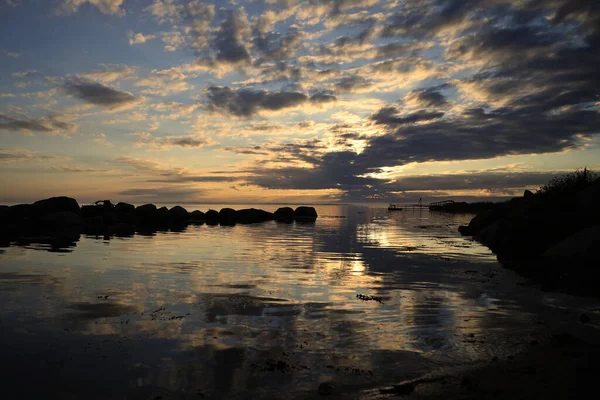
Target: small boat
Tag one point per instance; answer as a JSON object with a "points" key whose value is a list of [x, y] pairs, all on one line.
{"points": [[394, 207]]}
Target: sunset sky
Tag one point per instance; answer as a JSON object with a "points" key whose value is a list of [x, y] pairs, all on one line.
{"points": [[295, 100]]}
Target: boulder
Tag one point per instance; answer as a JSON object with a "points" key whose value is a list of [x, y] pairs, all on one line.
{"points": [[227, 216], [486, 218], [56, 204], [124, 208], [162, 216], [580, 245], [19, 212], [197, 216], [212, 217], [4, 210], [93, 225], [285, 214], [305, 214], [465, 230], [252, 215], [145, 213], [179, 214], [528, 193], [62, 219], [88, 211]]}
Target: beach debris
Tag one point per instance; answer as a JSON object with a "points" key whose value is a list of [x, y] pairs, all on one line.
{"points": [[363, 297]]}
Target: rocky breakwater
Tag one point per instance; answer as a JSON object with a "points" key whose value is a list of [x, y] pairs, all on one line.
{"points": [[552, 236], [62, 218]]}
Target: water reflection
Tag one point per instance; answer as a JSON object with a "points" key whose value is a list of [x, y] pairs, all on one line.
{"points": [[254, 311]]}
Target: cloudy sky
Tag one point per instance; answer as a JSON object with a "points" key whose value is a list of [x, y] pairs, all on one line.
{"points": [[295, 100]]}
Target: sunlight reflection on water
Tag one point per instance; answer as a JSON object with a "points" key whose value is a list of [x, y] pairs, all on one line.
{"points": [[257, 311]]}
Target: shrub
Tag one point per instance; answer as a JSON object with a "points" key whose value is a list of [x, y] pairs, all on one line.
{"points": [[569, 183]]}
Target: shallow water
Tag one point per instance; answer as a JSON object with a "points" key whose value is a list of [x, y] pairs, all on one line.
{"points": [[260, 311]]}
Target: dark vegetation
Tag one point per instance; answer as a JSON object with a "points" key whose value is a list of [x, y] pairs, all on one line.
{"points": [[551, 236], [60, 220]]}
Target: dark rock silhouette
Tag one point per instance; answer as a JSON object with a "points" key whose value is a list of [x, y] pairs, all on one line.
{"points": [[145, 212], [303, 213], [212, 216], [61, 220], [196, 216], [252, 216], [178, 213], [227, 216], [56, 204], [285, 214]]}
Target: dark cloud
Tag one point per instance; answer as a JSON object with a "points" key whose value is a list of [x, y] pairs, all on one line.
{"points": [[13, 155], [351, 84], [247, 102], [277, 46], [389, 116], [52, 124], [428, 98], [99, 94], [230, 41], [198, 179]]}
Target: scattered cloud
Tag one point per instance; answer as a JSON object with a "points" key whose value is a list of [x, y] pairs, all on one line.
{"points": [[139, 38], [112, 7], [101, 95]]}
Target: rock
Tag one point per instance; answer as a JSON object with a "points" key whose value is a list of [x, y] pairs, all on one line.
{"points": [[197, 216], [145, 213], [465, 230], [56, 204], [489, 235], [581, 245], [162, 217], [486, 218], [326, 389], [528, 193], [211, 216], [19, 212], [62, 219], [124, 208], [305, 214], [88, 211], [285, 214], [93, 225], [252, 215], [4, 212], [178, 214], [124, 230], [227, 216]]}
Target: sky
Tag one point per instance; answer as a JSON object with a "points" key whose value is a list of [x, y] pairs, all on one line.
{"points": [[296, 101]]}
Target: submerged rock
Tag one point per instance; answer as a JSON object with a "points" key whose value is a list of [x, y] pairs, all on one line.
{"points": [[303, 213]]}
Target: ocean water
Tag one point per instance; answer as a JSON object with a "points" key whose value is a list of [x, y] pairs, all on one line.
{"points": [[262, 311]]}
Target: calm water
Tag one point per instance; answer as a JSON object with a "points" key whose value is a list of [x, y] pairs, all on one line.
{"points": [[259, 311]]}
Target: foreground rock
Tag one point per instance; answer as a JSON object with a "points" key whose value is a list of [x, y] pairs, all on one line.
{"points": [[551, 237]]}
